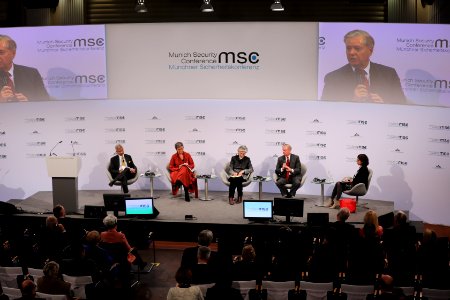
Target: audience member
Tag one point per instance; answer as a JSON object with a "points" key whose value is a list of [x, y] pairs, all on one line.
{"points": [[94, 252], [203, 271], [345, 235], [51, 282], [79, 264], [189, 258], [223, 290], [28, 290], [371, 227], [183, 290], [323, 261], [53, 240], [246, 266]]}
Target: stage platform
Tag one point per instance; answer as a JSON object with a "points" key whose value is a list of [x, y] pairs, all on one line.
{"points": [[216, 211]]}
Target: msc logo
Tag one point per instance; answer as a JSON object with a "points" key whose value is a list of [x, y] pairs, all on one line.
{"points": [[200, 118], [75, 119], [275, 131], [440, 127], [275, 144], [78, 154], [357, 147], [119, 142], [2, 144], [157, 153], [115, 129], [155, 118], [3, 156], [157, 129], [35, 120], [316, 121], [36, 155], [36, 144], [441, 43], [155, 141], [236, 130], [195, 130], [438, 167], [357, 122], [3, 132], [90, 42], [199, 153], [440, 141], [396, 150], [90, 78], [196, 141], [115, 118], [76, 130], [317, 145], [317, 132], [240, 57], [35, 132], [398, 163], [440, 153], [317, 157], [398, 124], [398, 137], [235, 118], [275, 119]]}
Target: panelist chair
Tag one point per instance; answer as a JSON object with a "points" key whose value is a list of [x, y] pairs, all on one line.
{"points": [[180, 190], [129, 181], [360, 189], [303, 170], [224, 176]]}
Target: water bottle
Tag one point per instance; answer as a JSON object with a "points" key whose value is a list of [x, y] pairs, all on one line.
{"points": [[213, 173], [157, 171], [268, 174], [330, 177]]}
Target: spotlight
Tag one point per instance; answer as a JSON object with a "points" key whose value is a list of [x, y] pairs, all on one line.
{"points": [[277, 6], [206, 6], [140, 7]]}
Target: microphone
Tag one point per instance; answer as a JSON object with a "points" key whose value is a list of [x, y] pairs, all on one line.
{"points": [[51, 153], [73, 149]]}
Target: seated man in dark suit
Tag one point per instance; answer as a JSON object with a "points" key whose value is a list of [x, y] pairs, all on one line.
{"points": [[361, 79], [18, 83], [288, 170], [121, 168]]}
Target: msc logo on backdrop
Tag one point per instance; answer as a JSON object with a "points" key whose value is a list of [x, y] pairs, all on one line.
{"points": [[89, 42], [357, 122], [235, 130], [316, 121], [2, 144], [316, 145], [36, 155], [239, 57], [35, 120], [2, 132], [398, 124], [114, 142], [198, 153], [356, 135], [76, 130], [195, 141], [36, 144], [356, 147], [440, 141], [438, 167], [90, 78], [317, 157], [275, 144], [78, 154], [321, 40], [234, 118], [119, 129], [159, 142], [317, 132], [396, 150], [115, 118], [156, 153], [398, 137], [275, 119], [194, 130], [197, 118], [439, 153], [3, 156], [398, 163], [75, 119], [439, 127], [156, 129], [275, 131], [234, 143]]}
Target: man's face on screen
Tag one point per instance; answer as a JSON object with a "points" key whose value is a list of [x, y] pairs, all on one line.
{"points": [[358, 53], [6, 56]]}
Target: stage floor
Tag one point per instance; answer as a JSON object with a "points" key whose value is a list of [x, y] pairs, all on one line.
{"points": [[216, 211]]}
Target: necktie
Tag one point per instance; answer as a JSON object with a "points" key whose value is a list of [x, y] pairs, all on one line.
{"points": [[288, 164], [362, 77], [123, 162], [8, 81]]}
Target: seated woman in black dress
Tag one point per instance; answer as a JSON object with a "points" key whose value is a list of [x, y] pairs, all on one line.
{"points": [[239, 171], [361, 176]]}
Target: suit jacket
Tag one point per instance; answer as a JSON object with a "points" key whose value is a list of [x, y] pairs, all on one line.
{"points": [[114, 164], [384, 81], [189, 258], [29, 82], [294, 164]]}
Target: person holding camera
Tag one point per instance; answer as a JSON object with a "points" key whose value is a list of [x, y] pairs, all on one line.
{"points": [[361, 176]]}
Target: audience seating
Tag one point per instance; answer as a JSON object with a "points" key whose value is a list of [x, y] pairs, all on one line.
{"points": [[36, 273], [357, 292], [316, 291], [50, 297], [12, 293], [78, 284], [434, 294], [8, 276]]}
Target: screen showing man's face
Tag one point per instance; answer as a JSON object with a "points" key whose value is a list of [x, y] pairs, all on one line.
{"points": [[6, 56], [358, 53]]}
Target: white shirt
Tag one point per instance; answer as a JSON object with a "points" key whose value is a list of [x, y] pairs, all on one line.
{"points": [[190, 293], [121, 168]]}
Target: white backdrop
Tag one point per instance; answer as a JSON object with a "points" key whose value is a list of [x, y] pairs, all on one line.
{"points": [[407, 146]]}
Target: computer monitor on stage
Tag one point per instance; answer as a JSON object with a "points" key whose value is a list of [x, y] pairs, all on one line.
{"points": [[288, 208], [258, 210], [115, 202], [140, 208]]}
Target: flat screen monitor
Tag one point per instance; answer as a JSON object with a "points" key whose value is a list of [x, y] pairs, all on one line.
{"points": [[115, 202], [288, 208], [260, 210], [139, 207]]}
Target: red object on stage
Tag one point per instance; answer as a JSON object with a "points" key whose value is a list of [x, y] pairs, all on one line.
{"points": [[349, 203]]}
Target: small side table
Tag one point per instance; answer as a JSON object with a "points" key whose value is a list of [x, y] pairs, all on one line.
{"points": [[206, 178], [260, 181], [322, 191], [151, 177]]}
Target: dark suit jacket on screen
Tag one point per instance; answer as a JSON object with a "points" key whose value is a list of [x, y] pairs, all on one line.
{"points": [[29, 82], [384, 81]]}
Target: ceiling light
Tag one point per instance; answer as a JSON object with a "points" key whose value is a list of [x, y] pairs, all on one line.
{"points": [[206, 6], [140, 7], [277, 6]]}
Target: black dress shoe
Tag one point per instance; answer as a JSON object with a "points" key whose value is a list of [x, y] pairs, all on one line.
{"points": [[288, 195], [111, 183]]}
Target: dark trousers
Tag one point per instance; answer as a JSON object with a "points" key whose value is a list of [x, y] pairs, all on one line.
{"points": [[295, 181], [235, 183], [123, 177], [186, 189], [338, 188]]}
